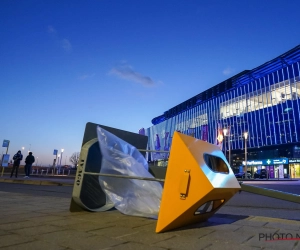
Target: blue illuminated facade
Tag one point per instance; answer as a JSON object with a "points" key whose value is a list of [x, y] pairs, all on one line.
{"points": [[263, 101]]}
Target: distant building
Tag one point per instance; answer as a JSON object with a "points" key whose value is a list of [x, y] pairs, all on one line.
{"points": [[263, 101]]}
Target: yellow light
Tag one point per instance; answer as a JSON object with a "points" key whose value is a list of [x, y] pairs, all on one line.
{"points": [[220, 138]]}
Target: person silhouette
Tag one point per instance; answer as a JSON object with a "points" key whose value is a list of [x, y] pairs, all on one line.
{"points": [[29, 161], [17, 160]]}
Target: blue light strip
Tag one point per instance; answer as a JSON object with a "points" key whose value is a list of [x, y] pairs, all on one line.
{"points": [[238, 118], [273, 135], [263, 111], [231, 118], [245, 115], [252, 115], [211, 124], [281, 74], [232, 137], [287, 106], [278, 121], [197, 123], [297, 98], [184, 121], [267, 116], [249, 114]]}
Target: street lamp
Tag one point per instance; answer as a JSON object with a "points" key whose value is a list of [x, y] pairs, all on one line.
{"points": [[246, 137], [23, 150], [220, 138], [62, 150]]}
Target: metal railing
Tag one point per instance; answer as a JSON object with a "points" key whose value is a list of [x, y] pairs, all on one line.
{"points": [[271, 193], [246, 188]]}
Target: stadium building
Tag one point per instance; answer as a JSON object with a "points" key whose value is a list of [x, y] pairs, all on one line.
{"points": [[262, 103]]}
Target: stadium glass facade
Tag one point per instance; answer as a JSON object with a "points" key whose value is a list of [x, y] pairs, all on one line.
{"points": [[264, 102]]}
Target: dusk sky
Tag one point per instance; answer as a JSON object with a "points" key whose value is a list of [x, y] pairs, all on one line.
{"points": [[122, 63]]}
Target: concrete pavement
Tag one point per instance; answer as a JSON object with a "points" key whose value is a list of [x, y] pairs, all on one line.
{"points": [[56, 180], [30, 221]]}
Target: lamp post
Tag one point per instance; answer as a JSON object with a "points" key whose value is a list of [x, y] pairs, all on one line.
{"points": [[246, 137], [23, 151], [225, 133], [62, 150], [58, 156], [57, 165]]}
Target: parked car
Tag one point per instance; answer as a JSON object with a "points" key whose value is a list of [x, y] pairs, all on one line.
{"points": [[260, 174], [242, 175]]}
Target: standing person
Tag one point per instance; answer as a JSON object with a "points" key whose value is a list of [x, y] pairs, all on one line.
{"points": [[17, 159], [29, 161]]}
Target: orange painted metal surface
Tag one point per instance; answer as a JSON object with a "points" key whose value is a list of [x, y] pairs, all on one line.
{"points": [[194, 189]]}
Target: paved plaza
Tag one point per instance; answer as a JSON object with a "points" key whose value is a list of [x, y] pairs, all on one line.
{"points": [[40, 219]]}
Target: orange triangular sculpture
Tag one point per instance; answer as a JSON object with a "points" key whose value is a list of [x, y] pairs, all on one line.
{"points": [[198, 182]]}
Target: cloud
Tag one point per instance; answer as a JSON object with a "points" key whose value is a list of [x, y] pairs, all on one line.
{"points": [[63, 42], [126, 72], [66, 45], [51, 30], [228, 71], [83, 77]]}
